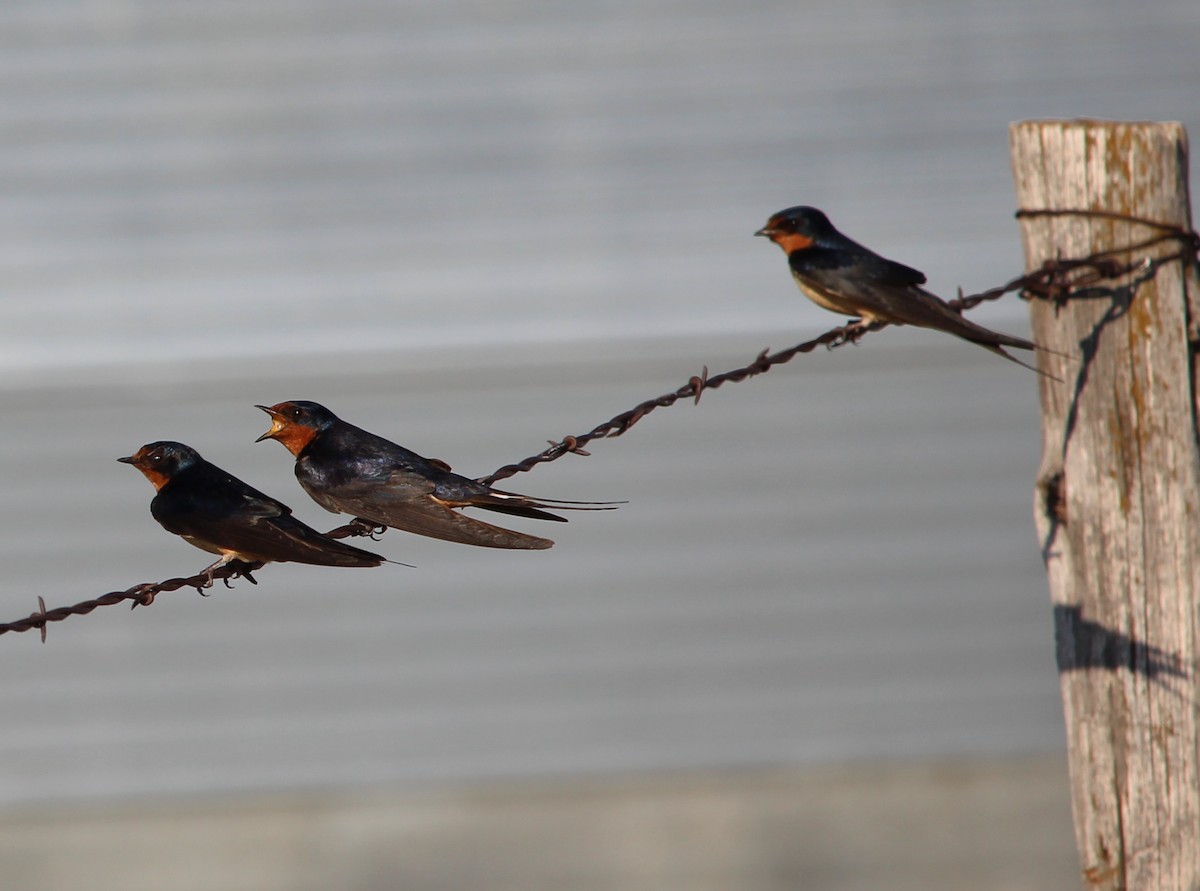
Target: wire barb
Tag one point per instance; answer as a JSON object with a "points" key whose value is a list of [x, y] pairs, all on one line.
{"points": [[1055, 281], [142, 594], [698, 382]]}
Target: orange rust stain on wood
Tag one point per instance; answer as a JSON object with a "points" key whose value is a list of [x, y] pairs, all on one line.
{"points": [[1123, 465]]}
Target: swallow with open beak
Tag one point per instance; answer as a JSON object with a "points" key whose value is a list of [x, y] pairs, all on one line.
{"points": [[218, 513], [349, 470]]}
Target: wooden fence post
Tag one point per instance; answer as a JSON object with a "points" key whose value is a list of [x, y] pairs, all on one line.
{"points": [[1118, 495]]}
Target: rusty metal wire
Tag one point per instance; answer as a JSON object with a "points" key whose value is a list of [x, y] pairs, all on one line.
{"points": [[693, 389], [1054, 280], [141, 595]]}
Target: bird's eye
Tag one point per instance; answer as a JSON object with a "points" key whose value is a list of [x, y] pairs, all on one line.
{"points": [[297, 413]]}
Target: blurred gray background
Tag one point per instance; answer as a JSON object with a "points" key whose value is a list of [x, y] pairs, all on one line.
{"points": [[813, 651]]}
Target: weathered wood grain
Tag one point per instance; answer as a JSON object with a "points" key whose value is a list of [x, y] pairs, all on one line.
{"points": [[1117, 495]]}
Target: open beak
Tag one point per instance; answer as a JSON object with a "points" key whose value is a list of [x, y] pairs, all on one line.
{"points": [[276, 424]]}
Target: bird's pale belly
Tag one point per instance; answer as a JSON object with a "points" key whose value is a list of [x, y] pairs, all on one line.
{"points": [[217, 549], [834, 302]]}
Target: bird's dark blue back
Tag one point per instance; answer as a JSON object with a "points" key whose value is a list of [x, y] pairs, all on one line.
{"points": [[206, 491], [343, 453], [838, 253]]}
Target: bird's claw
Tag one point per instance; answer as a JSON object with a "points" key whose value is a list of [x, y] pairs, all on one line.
{"points": [[367, 528]]}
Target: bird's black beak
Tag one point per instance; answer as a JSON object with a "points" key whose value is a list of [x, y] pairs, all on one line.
{"points": [[765, 232], [276, 426], [128, 460]]}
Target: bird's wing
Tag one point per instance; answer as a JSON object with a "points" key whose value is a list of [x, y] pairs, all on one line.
{"points": [[407, 501], [255, 534], [929, 311], [286, 538], [887, 291], [220, 512]]}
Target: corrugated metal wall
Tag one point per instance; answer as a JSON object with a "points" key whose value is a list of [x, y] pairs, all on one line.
{"points": [[473, 227]]}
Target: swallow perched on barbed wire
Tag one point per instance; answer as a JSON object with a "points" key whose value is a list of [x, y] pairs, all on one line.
{"points": [[841, 275], [349, 470], [218, 513]]}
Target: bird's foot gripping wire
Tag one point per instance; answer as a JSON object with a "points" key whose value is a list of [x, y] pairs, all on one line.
{"points": [[231, 568], [241, 569], [365, 528], [853, 332]]}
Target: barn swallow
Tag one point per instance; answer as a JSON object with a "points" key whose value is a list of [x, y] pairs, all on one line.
{"points": [[346, 469], [218, 513], [841, 275]]}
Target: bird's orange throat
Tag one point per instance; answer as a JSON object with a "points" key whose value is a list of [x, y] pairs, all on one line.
{"points": [[792, 241], [294, 437], [157, 478]]}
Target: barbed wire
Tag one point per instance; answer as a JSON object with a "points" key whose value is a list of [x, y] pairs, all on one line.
{"points": [[141, 595], [1054, 280]]}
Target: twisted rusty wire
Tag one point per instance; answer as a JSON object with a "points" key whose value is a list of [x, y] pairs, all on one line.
{"points": [[141, 595], [1054, 280], [693, 389]]}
